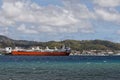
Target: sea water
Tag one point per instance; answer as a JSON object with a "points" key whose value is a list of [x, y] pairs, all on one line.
{"points": [[60, 68]]}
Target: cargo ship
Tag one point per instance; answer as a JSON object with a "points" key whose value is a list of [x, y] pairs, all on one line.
{"points": [[38, 52]]}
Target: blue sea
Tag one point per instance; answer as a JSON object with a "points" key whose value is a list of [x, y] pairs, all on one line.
{"points": [[60, 68]]}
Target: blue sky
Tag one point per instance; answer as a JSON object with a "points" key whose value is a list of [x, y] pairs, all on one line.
{"points": [[45, 20]]}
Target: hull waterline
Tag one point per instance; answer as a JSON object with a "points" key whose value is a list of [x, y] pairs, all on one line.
{"points": [[24, 53]]}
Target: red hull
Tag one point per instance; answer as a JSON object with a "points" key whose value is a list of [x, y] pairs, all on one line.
{"points": [[39, 53]]}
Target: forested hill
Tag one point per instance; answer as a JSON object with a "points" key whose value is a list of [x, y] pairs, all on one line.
{"points": [[74, 44]]}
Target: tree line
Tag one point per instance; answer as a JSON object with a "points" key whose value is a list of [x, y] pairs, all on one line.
{"points": [[73, 44]]}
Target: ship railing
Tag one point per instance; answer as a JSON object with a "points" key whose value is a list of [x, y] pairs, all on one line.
{"points": [[63, 49], [19, 49]]}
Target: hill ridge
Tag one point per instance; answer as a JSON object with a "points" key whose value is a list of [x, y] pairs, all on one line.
{"points": [[74, 44]]}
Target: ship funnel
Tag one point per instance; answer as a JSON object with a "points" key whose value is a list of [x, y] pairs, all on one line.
{"points": [[56, 48], [16, 48], [63, 47], [8, 49], [38, 48], [47, 48]]}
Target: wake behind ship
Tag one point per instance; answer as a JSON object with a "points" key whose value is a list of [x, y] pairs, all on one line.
{"points": [[38, 52]]}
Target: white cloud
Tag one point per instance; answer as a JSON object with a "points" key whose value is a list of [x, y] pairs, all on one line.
{"points": [[72, 16], [24, 29], [69, 18], [106, 10], [6, 21], [107, 3], [107, 15]]}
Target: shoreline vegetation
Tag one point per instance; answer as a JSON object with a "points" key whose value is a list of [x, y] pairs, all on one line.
{"points": [[83, 47]]}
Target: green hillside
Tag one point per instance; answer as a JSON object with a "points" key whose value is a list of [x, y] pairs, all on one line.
{"points": [[73, 44]]}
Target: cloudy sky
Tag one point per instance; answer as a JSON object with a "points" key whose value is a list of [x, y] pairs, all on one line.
{"points": [[45, 20]]}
